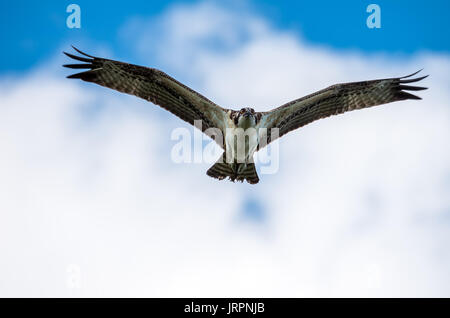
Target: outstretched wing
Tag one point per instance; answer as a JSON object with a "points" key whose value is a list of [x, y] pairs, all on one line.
{"points": [[338, 99], [151, 85]]}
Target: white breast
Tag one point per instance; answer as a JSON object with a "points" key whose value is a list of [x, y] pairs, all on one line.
{"points": [[241, 142]]}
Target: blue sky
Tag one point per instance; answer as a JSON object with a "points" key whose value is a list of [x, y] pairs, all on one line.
{"points": [[31, 30]]}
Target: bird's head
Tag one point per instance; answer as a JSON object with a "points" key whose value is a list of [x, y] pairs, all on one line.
{"points": [[245, 117]]}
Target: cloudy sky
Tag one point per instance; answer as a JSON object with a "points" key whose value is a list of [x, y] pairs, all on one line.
{"points": [[91, 203]]}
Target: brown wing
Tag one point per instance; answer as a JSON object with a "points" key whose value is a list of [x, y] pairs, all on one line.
{"points": [[338, 99], [151, 85]]}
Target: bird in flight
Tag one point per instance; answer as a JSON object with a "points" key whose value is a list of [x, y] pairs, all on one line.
{"points": [[227, 125]]}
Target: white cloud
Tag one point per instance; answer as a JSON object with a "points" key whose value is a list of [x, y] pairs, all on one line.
{"points": [[360, 206]]}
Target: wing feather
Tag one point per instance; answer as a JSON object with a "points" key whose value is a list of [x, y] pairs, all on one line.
{"points": [[152, 85], [338, 99]]}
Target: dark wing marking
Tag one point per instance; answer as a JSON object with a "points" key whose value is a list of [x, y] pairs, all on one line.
{"points": [[151, 85], [338, 99]]}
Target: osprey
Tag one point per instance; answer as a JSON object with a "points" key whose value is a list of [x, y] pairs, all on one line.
{"points": [[237, 161]]}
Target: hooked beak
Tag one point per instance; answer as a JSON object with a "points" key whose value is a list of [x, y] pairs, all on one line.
{"points": [[247, 114]]}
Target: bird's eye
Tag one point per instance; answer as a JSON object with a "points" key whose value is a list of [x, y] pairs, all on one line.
{"points": [[252, 110], [242, 111]]}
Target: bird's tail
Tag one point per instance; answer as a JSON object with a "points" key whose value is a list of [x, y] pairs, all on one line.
{"points": [[221, 170]]}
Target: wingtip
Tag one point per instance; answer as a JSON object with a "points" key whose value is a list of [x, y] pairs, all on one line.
{"points": [[81, 52], [417, 72], [423, 77], [77, 66], [411, 88], [76, 76], [405, 95], [79, 58], [87, 76], [411, 80]]}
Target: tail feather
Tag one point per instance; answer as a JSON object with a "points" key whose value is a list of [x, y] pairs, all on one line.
{"points": [[221, 170], [249, 174]]}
